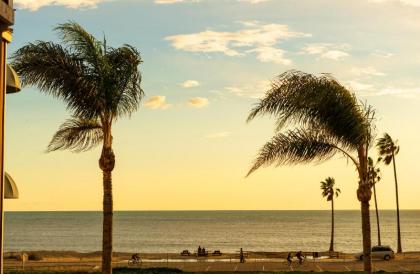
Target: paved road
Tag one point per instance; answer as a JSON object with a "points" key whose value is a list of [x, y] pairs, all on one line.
{"points": [[407, 265]]}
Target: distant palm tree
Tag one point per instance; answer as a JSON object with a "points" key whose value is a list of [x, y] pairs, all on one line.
{"points": [[388, 149], [328, 120], [99, 84], [329, 192], [374, 178]]}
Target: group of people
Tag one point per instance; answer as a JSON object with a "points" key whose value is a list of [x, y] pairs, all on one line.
{"points": [[299, 256], [201, 251]]}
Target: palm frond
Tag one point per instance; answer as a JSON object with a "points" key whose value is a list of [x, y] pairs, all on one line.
{"points": [[387, 148], [56, 71], [294, 147], [319, 102], [82, 43], [77, 135], [124, 93], [328, 189]]}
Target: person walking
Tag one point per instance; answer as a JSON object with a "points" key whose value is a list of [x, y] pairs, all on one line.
{"points": [[241, 256], [289, 258]]}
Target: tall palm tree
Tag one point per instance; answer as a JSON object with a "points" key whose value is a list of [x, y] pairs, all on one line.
{"points": [[374, 174], [388, 149], [328, 120], [99, 84], [329, 192]]}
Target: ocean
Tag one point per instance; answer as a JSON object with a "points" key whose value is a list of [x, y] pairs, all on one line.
{"points": [[174, 231]]}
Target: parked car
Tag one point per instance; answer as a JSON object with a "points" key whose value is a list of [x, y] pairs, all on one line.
{"points": [[384, 252]]}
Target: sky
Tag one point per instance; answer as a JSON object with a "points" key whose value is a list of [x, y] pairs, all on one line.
{"points": [[205, 64]]}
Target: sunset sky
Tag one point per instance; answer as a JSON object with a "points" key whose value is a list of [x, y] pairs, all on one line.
{"points": [[205, 64]]}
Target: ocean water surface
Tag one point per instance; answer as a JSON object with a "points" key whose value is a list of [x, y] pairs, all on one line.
{"points": [[174, 231]]}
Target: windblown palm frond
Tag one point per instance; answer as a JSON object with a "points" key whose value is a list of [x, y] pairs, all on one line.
{"points": [[126, 94], [319, 102], [77, 135], [374, 172], [82, 43], [328, 189], [387, 148], [293, 147], [56, 71], [95, 81]]}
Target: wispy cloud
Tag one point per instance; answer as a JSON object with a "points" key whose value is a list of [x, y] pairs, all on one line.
{"points": [[414, 3], [197, 102], [156, 102], [359, 87], [190, 84], [218, 135], [369, 90], [271, 55], [366, 71], [327, 50], [260, 39], [253, 1], [255, 90], [34, 5], [175, 1], [382, 54]]}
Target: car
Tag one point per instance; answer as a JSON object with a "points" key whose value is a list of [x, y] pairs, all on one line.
{"points": [[384, 252]]}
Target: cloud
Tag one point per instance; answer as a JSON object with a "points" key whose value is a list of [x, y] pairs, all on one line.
{"points": [[218, 135], [175, 1], [198, 102], [156, 102], [34, 5], [327, 51], [414, 3], [255, 90], [270, 54], [382, 54], [366, 71], [190, 84], [260, 39], [359, 86], [253, 1]]}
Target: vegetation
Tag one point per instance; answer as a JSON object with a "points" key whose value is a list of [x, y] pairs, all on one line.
{"points": [[374, 178], [388, 149], [327, 120], [329, 192], [99, 84]]}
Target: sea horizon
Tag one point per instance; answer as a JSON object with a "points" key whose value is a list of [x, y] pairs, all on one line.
{"points": [[174, 231]]}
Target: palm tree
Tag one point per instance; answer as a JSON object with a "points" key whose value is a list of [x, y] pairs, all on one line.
{"points": [[374, 174], [328, 120], [99, 84], [329, 192], [388, 149]]}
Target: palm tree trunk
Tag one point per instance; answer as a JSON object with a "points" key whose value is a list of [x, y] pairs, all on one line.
{"points": [[107, 163], [364, 194], [107, 224], [367, 261], [332, 226], [377, 215], [399, 248]]}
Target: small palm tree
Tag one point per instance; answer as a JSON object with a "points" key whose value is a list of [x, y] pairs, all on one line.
{"points": [[328, 120], [374, 178], [329, 192], [388, 149], [99, 84]]}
